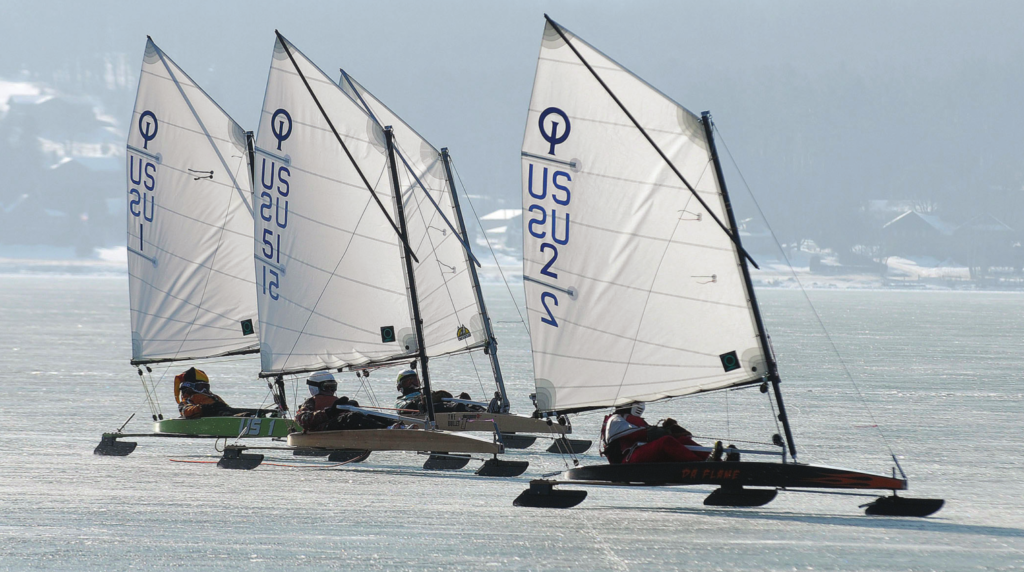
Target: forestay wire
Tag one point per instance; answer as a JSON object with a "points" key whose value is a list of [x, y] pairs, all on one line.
{"points": [[821, 323]]}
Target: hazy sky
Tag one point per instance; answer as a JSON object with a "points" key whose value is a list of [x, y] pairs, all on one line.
{"points": [[812, 96]]}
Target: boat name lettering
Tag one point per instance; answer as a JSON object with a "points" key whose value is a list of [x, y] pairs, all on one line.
{"points": [[549, 217], [275, 181], [142, 175], [731, 474]]}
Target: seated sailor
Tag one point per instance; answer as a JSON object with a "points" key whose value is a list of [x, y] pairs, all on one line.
{"points": [[195, 400], [411, 400], [497, 404], [320, 412], [627, 438]]}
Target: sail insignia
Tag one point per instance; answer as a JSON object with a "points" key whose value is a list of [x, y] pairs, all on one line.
{"points": [[729, 361]]}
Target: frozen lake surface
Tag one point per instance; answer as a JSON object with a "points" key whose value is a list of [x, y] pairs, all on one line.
{"points": [[939, 371]]}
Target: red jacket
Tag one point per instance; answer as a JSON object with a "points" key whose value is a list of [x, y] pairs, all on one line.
{"points": [[623, 431]]}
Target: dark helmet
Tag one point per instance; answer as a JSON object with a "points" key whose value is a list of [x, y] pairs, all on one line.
{"points": [[195, 380], [322, 382]]}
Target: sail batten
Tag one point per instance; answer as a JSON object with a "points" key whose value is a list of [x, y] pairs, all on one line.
{"points": [[189, 222], [634, 285]]}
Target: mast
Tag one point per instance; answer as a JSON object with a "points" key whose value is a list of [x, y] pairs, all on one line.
{"points": [[492, 344], [410, 275], [772, 374], [250, 146]]}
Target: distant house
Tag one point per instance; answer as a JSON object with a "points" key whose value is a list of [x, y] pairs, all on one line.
{"points": [[63, 164], [916, 234], [504, 228], [981, 242]]}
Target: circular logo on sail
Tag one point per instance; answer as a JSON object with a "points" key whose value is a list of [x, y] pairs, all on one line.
{"points": [[148, 126], [554, 137], [281, 126], [729, 361]]}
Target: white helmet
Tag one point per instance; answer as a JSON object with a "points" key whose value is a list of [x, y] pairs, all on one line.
{"points": [[399, 382], [322, 382]]}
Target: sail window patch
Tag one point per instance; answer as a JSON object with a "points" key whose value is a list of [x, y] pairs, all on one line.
{"points": [[387, 334], [730, 361], [247, 329]]}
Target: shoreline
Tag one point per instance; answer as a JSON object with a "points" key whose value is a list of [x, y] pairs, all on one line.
{"points": [[771, 279]]}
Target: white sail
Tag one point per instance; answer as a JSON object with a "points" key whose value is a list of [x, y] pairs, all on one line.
{"points": [[329, 274], [634, 291], [189, 221], [452, 319]]}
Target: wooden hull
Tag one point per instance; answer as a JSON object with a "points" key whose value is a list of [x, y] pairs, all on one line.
{"points": [[736, 474], [394, 440], [232, 427], [507, 423]]}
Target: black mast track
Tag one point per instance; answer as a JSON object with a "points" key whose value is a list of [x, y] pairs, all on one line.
{"points": [[734, 237], [492, 344], [773, 369], [409, 274], [250, 147], [369, 187]]}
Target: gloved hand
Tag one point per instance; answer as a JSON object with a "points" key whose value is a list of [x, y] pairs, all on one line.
{"points": [[674, 429]]}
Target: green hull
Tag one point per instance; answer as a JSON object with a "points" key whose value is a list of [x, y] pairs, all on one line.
{"points": [[228, 427]]}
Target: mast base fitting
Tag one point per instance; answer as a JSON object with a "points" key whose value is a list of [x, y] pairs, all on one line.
{"points": [[902, 506], [234, 458], [740, 497], [445, 462], [569, 446], [348, 456], [499, 468], [110, 447], [513, 441], [542, 494]]}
